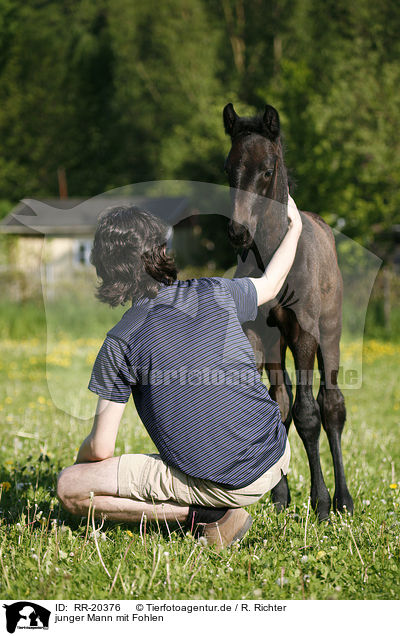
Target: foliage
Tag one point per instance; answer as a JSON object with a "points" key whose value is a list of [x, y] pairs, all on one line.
{"points": [[119, 92]]}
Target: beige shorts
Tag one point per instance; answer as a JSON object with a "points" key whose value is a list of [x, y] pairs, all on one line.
{"points": [[148, 478]]}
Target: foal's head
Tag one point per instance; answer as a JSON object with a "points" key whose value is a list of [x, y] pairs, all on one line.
{"points": [[257, 174]]}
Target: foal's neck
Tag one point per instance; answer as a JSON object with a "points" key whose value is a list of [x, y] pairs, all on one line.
{"points": [[273, 224]]}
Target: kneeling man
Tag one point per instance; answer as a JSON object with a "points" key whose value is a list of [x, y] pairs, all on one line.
{"points": [[181, 352]]}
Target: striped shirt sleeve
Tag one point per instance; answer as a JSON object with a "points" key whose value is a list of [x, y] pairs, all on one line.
{"points": [[244, 295], [112, 377]]}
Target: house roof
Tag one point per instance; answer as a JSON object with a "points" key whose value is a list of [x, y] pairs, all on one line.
{"points": [[66, 217]]}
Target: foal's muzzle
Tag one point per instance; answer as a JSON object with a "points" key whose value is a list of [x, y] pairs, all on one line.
{"points": [[239, 235]]}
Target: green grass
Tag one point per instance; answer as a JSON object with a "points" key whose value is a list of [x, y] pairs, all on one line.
{"points": [[43, 550]]}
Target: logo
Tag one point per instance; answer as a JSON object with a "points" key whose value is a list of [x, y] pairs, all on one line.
{"points": [[26, 615]]}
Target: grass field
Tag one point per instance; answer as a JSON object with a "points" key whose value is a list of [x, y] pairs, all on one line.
{"points": [[46, 554]]}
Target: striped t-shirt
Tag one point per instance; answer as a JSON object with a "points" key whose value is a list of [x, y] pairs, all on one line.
{"points": [[192, 373]]}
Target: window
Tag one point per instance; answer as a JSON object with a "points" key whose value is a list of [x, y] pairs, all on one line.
{"points": [[82, 251]]}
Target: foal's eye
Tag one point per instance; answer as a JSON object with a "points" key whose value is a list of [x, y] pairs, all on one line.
{"points": [[268, 174]]}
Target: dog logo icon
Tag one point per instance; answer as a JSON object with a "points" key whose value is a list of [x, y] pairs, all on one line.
{"points": [[26, 615]]}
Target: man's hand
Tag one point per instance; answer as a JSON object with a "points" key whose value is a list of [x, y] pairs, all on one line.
{"points": [[100, 443], [294, 215]]}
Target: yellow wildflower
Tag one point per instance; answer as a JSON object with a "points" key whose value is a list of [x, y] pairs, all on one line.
{"points": [[321, 554], [393, 486], [41, 399], [90, 358], [6, 486], [8, 400], [129, 533]]}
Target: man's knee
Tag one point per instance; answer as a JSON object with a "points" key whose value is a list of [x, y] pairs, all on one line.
{"points": [[66, 488]]}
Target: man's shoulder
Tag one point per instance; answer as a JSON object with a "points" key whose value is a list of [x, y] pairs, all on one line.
{"points": [[182, 295], [184, 290], [129, 325]]}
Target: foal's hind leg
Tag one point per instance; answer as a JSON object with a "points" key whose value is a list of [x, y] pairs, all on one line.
{"points": [[280, 391], [333, 414], [271, 351], [306, 417]]}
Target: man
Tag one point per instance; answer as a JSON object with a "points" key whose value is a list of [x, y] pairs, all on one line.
{"points": [[181, 351]]}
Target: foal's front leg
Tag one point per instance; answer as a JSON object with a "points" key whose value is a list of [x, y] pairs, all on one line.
{"points": [[307, 419]]}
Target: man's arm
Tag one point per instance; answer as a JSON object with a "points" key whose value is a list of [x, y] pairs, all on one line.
{"points": [[269, 284], [100, 443]]}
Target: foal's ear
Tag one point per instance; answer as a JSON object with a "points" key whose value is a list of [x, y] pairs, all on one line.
{"points": [[271, 122], [230, 118]]}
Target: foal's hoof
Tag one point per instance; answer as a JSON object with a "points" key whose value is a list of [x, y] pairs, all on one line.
{"points": [[323, 516], [343, 503], [322, 506], [280, 494], [323, 511]]}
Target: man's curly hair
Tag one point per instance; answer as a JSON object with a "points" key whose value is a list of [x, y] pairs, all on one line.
{"points": [[129, 255]]}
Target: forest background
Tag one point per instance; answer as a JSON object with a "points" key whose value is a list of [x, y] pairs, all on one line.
{"points": [[120, 92]]}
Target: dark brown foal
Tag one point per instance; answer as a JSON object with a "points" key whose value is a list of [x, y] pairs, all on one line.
{"points": [[306, 316]]}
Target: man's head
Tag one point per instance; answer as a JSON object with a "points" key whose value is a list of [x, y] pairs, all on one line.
{"points": [[129, 254]]}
